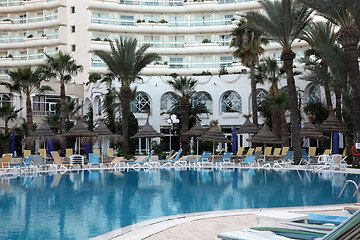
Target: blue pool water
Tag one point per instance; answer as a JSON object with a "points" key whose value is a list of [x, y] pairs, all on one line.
{"points": [[87, 204]]}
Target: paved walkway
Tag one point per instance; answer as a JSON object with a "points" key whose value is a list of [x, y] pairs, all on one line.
{"points": [[205, 226]]}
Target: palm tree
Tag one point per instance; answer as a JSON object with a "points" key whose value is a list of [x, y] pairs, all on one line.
{"points": [[282, 22], [321, 37], [270, 71], [186, 87], [61, 67], [346, 15], [248, 43], [126, 63], [8, 113], [26, 81]]}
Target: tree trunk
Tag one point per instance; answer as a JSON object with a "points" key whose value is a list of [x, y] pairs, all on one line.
{"points": [[6, 143], [63, 107], [125, 96], [338, 105], [29, 115], [349, 38], [284, 131], [253, 95], [328, 98], [276, 123], [184, 112], [288, 56]]}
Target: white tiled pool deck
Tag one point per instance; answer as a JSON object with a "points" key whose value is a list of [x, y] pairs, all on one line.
{"points": [[206, 225]]}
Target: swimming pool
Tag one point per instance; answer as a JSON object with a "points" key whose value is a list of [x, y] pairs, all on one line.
{"points": [[87, 204]]}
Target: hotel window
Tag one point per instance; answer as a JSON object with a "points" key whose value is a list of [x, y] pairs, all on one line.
{"points": [[5, 99], [167, 102], [201, 21], [175, 42], [141, 103], [231, 102], [72, 9], [44, 105], [224, 40], [126, 20], [177, 21], [176, 62], [73, 28], [153, 41], [226, 61], [314, 94], [73, 47], [205, 99], [22, 18]]}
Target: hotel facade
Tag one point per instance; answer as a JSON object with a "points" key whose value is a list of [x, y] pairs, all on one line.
{"points": [[192, 37]]}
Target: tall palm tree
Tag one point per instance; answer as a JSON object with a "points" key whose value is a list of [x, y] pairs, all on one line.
{"points": [[62, 67], [321, 37], [26, 81], [247, 42], [282, 22], [269, 70], [186, 87], [8, 113], [346, 15], [126, 62]]}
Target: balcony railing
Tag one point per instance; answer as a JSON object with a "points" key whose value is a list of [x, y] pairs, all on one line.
{"points": [[34, 19], [10, 3]]}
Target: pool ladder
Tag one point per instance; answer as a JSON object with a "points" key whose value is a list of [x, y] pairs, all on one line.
{"points": [[356, 192]]}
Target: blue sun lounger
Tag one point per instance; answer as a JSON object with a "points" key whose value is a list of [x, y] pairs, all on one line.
{"points": [[349, 229], [138, 165], [226, 160]]}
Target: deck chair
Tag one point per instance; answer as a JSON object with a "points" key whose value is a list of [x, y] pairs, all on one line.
{"points": [[312, 152], [276, 153], [267, 153], [258, 149], [110, 153], [226, 160], [171, 161], [27, 153], [240, 152], [327, 152], [94, 160], [146, 163], [5, 160], [43, 154], [250, 152], [203, 158], [251, 161], [344, 153], [116, 163], [69, 152], [284, 150], [58, 163]]}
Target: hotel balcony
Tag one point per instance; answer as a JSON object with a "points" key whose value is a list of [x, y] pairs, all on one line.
{"points": [[13, 6]]}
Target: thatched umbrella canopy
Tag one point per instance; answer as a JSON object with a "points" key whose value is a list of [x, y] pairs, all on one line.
{"points": [[331, 124], [103, 133], [43, 133], [196, 131], [265, 136], [214, 135], [79, 130], [309, 131], [147, 131], [247, 127]]}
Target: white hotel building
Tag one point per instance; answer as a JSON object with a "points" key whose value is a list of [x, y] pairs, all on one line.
{"points": [[191, 36]]}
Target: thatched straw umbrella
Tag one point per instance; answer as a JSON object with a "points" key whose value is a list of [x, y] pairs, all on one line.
{"points": [[331, 124], [196, 131], [214, 135], [103, 134], [79, 130], [44, 134], [309, 131], [265, 136], [147, 131], [247, 127]]}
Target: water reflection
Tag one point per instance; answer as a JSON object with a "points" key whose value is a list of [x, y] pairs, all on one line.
{"points": [[89, 203]]}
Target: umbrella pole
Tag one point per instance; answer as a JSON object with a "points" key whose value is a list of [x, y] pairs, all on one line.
{"points": [[331, 143], [213, 153], [197, 150]]}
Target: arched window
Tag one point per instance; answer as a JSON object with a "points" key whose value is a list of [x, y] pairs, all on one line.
{"points": [[5, 99], [314, 94], [231, 102], [167, 101], [141, 103], [205, 99], [97, 106], [261, 94]]}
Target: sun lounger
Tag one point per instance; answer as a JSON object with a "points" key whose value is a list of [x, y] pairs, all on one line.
{"points": [[172, 161], [116, 163], [69, 152], [249, 161], [147, 163], [324, 219], [226, 160], [58, 163], [27, 153], [94, 160], [250, 152], [204, 157], [249, 234], [5, 161], [348, 229]]}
